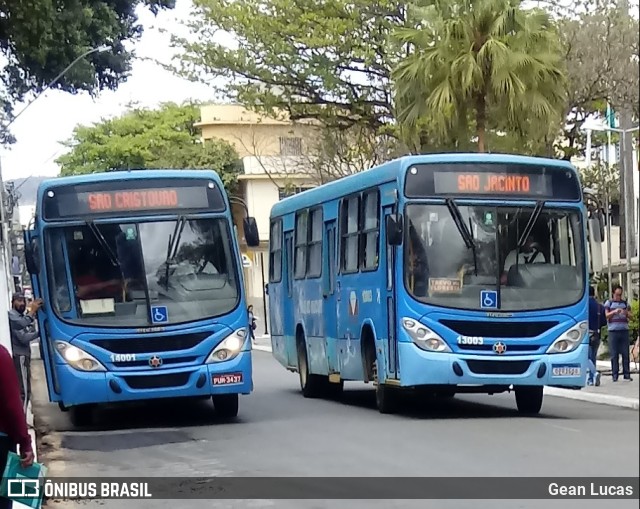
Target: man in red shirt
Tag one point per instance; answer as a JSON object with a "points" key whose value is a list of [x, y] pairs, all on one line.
{"points": [[13, 422]]}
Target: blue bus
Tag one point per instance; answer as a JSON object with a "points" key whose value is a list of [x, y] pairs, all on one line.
{"points": [[141, 276], [443, 274]]}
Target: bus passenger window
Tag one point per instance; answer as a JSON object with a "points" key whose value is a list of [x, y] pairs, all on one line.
{"points": [[300, 263], [275, 252], [370, 231], [350, 222], [315, 244]]}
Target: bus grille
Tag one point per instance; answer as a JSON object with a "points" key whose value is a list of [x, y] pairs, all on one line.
{"points": [[489, 348], [151, 344], [498, 329], [498, 367], [145, 363], [157, 381]]}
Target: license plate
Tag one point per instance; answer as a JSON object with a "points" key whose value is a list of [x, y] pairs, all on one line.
{"points": [[566, 370], [232, 378]]}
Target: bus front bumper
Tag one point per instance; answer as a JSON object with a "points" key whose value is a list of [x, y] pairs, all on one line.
{"points": [[418, 368], [230, 377]]}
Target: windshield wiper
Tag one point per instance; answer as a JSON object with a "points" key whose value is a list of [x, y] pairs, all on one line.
{"points": [[462, 228], [103, 243], [532, 221], [172, 248]]}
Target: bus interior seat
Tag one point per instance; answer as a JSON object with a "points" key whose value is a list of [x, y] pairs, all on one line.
{"points": [[543, 276]]}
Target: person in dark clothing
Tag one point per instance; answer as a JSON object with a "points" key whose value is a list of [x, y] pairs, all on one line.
{"points": [[597, 320], [13, 422], [23, 332]]}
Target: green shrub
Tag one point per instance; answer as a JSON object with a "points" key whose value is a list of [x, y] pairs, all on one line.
{"points": [[634, 328]]}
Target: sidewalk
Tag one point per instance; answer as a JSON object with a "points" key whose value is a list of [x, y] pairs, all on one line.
{"points": [[621, 394]]}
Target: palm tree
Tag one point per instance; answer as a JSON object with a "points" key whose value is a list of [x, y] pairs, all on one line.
{"points": [[486, 60]]}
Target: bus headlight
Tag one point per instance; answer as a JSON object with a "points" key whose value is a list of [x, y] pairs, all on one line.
{"points": [[423, 337], [77, 358], [228, 348], [570, 340]]}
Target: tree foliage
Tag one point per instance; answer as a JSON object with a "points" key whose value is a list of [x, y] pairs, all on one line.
{"points": [[604, 180], [40, 38], [145, 138], [601, 54], [327, 60], [489, 60]]}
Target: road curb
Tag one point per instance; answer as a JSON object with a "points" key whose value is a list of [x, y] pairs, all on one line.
{"points": [[601, 399], [262, 348]]}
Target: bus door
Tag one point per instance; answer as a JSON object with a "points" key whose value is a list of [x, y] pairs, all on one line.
{"points": [[388, 262], [33, 257], [330, 295], [288, 318]]}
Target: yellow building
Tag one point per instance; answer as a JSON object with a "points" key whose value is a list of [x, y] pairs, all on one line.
{"points": [[275, 155]]}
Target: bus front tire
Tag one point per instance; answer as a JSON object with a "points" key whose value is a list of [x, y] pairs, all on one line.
{"points": [[529, 399], [81, 415], [386, 397], [226, 405], [312, 386]]}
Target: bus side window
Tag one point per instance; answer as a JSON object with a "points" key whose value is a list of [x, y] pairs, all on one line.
{"points": [[58, 271], [370, 231], [349, 226], [301, 239], [275, 252]]}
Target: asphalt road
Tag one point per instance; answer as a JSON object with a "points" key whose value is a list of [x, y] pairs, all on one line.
{"points": [[280, 433]]}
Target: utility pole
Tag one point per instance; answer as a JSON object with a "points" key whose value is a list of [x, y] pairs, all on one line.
{"points": [[626, 158]]}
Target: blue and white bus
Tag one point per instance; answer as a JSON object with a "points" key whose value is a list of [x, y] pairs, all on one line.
{"points": [[140, 273], [446, 273]]}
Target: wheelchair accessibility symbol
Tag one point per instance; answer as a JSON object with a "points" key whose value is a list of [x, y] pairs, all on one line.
{"points": [[488, 299], [159, 314]]}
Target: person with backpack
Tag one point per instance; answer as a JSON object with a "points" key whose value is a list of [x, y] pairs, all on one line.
{"points": [[617, 313], [597, 320]]}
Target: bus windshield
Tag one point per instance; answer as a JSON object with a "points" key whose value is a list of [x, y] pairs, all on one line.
{"points": [[533, 259], [114, 275]]}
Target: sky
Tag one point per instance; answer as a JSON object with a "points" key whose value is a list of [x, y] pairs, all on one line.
{"points": [[53, 116]]}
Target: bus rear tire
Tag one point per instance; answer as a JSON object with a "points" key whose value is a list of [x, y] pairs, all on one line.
{"points": [[529, 399], [312, 386], [226, 405], [81, 415]]}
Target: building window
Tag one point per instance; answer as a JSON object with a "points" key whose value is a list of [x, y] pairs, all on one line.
{"points": [[350, 222], [370, 231], [314, 268], [275, 252], [290, 146], [300, 263]]}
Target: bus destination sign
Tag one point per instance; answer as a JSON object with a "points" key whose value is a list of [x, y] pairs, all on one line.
{"points": [[113, 199], [491, 183], [143, 199], [491, 180]]}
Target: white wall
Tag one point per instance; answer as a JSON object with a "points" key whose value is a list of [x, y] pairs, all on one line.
{"points": [[261, 195]]}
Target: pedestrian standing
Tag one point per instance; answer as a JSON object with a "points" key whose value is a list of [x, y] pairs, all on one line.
{"points": [[13, 422], [617, 314], [23, 332], [252, 324], [597, 321]]}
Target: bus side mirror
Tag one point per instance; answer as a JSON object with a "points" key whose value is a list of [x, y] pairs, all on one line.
{"points": [[394, 230], [595, 244], [251, 231], [31, 256], [266, 289]]}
